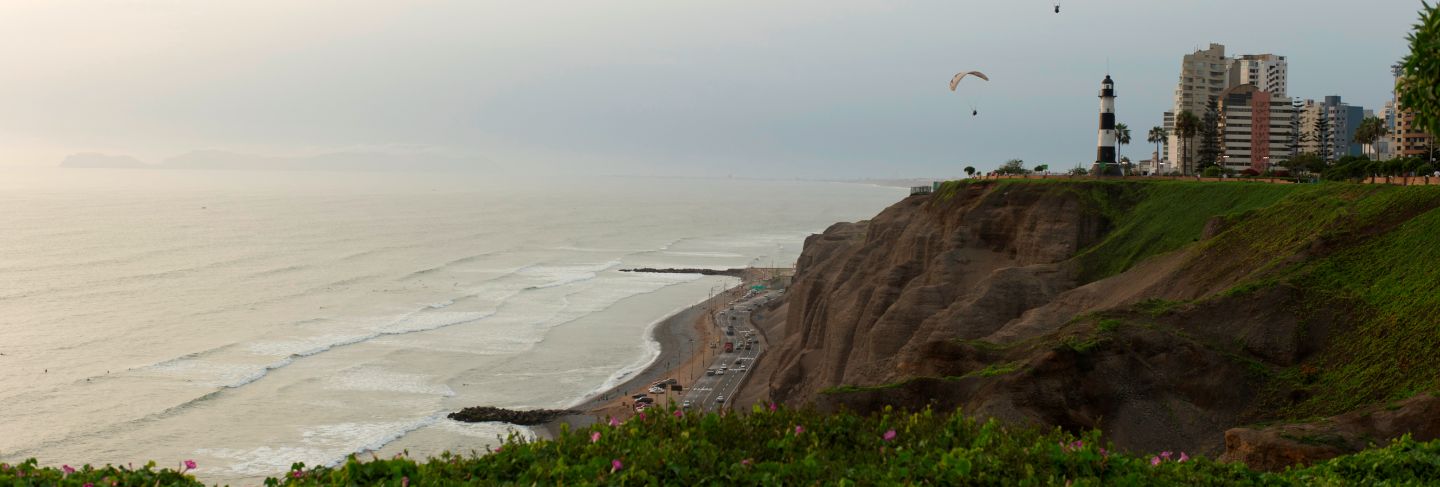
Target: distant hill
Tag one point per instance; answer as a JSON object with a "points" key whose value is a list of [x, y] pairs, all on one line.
{"points": [[98, 160]]}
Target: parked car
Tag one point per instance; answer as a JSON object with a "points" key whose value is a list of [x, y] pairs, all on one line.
{"points": [[720, 372], [638, 396], [657, 390], [719, 398], [709, 371], [685, 405]]}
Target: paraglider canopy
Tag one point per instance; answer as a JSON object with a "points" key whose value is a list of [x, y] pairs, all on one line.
{"points": [[955, 82]]}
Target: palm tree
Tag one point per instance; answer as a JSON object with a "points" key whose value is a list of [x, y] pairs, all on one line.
{"points": [[1371, 129], [970, 171], [1156, 136], [1122, 136], [1186, 126]]}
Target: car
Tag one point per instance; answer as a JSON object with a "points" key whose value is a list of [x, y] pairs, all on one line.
{"points": [[719, 398], [737, 360], [645, 400], [638, 396], [657, 390], [672, 381], [685, 405], [709, 371], [720, 372]]}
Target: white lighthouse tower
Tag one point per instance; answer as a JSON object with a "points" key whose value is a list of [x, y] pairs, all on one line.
{"points": [[1105, 154]]}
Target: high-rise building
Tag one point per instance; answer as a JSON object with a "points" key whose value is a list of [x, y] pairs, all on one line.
{"points": [[1206, 73], [1341, 121], [1268, 72], [1255, 127], [1409, 139], [1406, 138], [1203, 75]]}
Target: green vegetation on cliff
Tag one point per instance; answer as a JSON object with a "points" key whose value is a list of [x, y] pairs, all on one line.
{"points": [[787, 447], [1370, 253]]}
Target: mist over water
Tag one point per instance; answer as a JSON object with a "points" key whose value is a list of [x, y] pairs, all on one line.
{"points": [[251, 320]]}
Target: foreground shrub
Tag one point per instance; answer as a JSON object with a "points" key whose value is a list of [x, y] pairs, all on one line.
{"points": [[787, 447]]}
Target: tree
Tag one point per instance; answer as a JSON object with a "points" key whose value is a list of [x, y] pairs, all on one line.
{"points": [[1042, 168], [1079, 171], [1369, 131], [1186, 124], [1122, 135], [1210, 149], [1156, 136], [970, 171], [1305, 162], [1322, 135], [1013, 166], [1420, 71]]}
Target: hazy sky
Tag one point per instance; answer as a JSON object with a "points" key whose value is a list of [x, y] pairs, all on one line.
{"points": [[789, 88]]}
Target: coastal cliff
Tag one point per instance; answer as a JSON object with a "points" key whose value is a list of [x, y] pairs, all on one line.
{"points": [[1162, 313]]}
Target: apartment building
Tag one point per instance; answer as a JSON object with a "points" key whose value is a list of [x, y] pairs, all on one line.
{"points": [[1256, 128]]}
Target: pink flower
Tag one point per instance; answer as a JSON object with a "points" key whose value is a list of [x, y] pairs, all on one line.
{"points": [[1077, 444], [594, 437], [679, 413], [1104, 453], [614, 422], [67, 469], [1165, 455], [498, 448], [405, 481], [799, 429], [889, 435], [189, 465], [88, 484], [745, 462], [1154, 461], [1184, 457], [642, 415], [772, 407], [615, 466], [297, 474]]}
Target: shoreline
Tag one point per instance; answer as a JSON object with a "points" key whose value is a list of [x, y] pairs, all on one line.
{"points": [[681, 337]]}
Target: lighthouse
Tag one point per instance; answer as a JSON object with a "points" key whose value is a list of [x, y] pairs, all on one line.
{"points": [[1105, 152]]}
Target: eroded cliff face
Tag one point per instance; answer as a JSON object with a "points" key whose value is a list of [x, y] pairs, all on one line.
{"points": [[869, 297], [984, 297]]}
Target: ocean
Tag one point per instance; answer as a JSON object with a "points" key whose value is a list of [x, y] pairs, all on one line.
{"points": [[249, 320]]}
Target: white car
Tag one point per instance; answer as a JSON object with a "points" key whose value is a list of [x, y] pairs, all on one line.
{"points": [[657, 390], [686, 405], [720, 372], [719, 398]]}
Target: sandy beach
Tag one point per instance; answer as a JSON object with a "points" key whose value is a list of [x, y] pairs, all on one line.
{"points": [[683, 339]]}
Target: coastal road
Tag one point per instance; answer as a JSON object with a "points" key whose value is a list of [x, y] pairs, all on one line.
{"points": [[714, 392]]}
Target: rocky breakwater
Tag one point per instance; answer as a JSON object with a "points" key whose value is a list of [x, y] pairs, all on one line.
{"points": [[741, 273], [482, 414], [1162, 313]]}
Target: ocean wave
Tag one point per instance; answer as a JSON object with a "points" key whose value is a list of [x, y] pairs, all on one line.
{"points": [[452, 263]]}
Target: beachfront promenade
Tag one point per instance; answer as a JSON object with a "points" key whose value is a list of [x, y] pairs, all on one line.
{"points": [[1392, 180]]}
